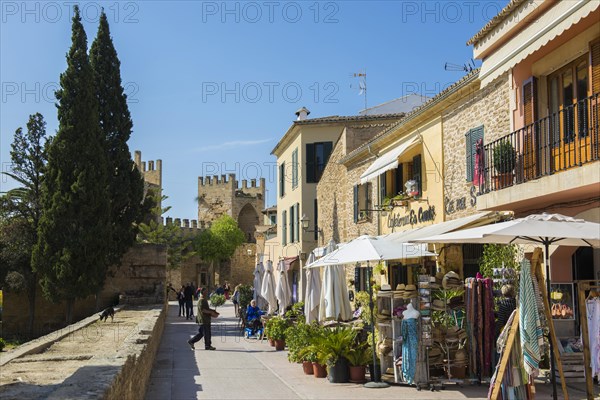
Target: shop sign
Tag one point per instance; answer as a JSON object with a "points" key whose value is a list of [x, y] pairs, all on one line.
{"points": [[455, 205], [412, 218]]}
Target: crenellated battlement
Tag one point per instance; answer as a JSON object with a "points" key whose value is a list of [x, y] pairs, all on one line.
{"points": [[185, 223], [226, 180], [151, 172]]}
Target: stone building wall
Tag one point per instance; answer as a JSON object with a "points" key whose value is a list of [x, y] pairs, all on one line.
{"points": [[215, 198], [488, 107], [336, 207]]}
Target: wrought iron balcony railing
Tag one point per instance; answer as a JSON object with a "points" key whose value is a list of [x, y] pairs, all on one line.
{"points": [[563, 140]]}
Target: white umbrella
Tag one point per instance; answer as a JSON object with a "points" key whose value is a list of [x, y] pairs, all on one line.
{"points": [[334, 295], [544, 229], [313, 292], [267, 290], [282, 291], [258, 273], [371, 248]]}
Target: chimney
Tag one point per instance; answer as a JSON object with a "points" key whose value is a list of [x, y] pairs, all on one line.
{"points": [[302, 114]]}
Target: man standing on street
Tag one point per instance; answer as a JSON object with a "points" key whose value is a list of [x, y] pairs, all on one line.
{"points": [[188, 294], [203, 318]]}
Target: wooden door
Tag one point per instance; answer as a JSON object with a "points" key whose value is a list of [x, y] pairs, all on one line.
{"points": [[529, 151]]}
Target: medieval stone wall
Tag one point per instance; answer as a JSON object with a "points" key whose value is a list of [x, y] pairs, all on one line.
{"points": [[141, 274]]}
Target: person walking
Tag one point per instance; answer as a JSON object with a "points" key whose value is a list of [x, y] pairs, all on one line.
{"points": [[235, 299], [203, 318], [189, 301]]}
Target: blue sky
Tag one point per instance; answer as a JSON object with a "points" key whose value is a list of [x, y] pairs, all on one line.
{"points": [[213, 85]]}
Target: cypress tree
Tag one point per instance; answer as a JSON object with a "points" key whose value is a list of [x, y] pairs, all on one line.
{"points": [[125, 183], [73, 234]]}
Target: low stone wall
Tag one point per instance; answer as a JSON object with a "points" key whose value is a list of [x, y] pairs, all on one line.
{"points": [[132, 381], [102, 371]]}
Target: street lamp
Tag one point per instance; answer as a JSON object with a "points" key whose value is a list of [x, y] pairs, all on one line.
{"points": [[305, 222]]}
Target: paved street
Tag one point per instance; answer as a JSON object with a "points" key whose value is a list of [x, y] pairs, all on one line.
{"points": [[248, 369]]}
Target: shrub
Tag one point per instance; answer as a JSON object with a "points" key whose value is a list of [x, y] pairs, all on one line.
{"points": [[217, 300], [276, 328], [2, 344], [504, 157], [246, 295]]}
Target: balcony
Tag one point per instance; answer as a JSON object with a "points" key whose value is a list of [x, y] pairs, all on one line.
{"points": [[562, 141]]}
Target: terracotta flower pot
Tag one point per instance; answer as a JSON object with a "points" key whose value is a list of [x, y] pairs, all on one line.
{"points": [[319, 370], [357, 373], [279, 344], [307, 367]]}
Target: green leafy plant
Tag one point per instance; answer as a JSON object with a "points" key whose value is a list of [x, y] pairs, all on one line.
{"points": [[2, 344], [217, 300], [276, 328], [335, 344], [504, 157], [246, 295], [296, 311], [298, 337], [379, 269], [496, 256], [361, 299], [360, 354]]}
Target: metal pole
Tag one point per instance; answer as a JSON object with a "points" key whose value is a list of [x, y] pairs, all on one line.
{"points": [[375, 379], [552, 371]]}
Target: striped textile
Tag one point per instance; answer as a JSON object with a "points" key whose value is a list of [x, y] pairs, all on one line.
{"points": [[530, 328]]}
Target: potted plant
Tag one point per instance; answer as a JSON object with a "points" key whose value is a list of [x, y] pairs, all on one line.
{"points": [[297, 338], [334, 347], [216, 300], [276, 329], [359, 356], [505, 158]]}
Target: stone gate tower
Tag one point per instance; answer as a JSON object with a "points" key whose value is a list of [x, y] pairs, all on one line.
{"points": [[244, 203]]}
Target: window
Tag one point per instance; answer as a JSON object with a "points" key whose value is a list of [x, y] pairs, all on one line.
{"points": [[284, 228], [295, 169], [361, 279], [273, 219], [317, 155], [362, 202], [416, 174], [471, 139], [282, 179], [472, 253], [391, 183]]}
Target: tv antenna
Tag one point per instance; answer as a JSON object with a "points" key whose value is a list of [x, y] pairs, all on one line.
{"points": [[468, 67], [362, 84]]}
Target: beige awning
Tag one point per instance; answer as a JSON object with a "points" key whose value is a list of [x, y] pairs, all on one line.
{"points": [[550, 25], [388, 160]]}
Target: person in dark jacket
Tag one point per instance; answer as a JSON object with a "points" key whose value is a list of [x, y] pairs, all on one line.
{"points": [[188, 296], [506, 305]]}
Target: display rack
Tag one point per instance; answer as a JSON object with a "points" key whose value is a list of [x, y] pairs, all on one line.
{"points": [[453, 341], [390, 335]]}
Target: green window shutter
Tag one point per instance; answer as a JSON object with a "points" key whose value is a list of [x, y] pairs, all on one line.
{"points": [[471, 139], [295, 168], [297, 222], [282, 179], [368, 197], [292, 224], [316, 220], [357, 276], [355, 203], [310, 163], [284, 227], [417, 173], [382, 188]]}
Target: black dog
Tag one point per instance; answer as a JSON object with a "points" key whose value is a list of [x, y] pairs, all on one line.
{"points": [[108, 312]]}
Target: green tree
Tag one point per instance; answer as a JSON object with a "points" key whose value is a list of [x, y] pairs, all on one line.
{"points": [[20, 210], [178, 242], [125, 183], [220, 241], [74, 232]]}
